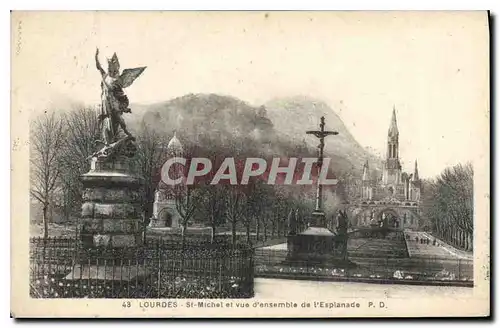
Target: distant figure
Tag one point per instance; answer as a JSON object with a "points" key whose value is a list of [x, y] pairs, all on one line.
{"points": [[342, 226], [292, 224], [434, 242], [416, 239], [342, 223], [297, 220]]}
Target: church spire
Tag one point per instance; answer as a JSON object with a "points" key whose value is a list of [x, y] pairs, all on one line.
{"points": [[393, 138], [415, 173], [393, 128]]}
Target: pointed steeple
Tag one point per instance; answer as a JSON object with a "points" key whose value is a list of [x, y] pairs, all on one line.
{"points": [[415, 173], [392, 166], [393, 128]]}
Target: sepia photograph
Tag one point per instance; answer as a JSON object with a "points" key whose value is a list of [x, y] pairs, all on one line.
{"points": [[250, 164]]}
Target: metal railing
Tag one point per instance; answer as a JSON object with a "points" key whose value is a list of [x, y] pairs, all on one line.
{"points": [[157, 269]]}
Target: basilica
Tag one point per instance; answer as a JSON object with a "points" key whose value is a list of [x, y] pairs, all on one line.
{"points": [[393, 198], [394, 184]]}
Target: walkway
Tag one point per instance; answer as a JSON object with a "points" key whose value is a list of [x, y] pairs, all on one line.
{"points": [[440, 250]]}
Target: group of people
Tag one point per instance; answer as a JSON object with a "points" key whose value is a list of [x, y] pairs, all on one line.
{"points": [[426, 241]]}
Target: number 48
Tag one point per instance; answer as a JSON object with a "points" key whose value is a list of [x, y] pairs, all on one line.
{"points": [[126, 304]]}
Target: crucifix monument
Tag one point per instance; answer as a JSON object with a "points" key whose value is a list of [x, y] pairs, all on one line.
{"points": [[318, 216], [317, 245]]}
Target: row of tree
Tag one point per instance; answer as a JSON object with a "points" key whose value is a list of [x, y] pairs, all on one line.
{"points": [[448, 205], [60, 144], [260, 209]]}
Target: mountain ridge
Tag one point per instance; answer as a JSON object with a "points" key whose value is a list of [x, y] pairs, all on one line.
{"points": [[276, 128]]}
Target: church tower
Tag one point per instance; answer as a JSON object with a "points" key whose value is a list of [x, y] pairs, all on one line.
{"points": [[366, 191], [165, 214], [392, 166], [415, 185], [415, 172]]}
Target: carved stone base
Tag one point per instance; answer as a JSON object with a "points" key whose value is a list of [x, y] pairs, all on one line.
{"points": [[112, 209], [318, 219], [317, 246], [111, 219]]}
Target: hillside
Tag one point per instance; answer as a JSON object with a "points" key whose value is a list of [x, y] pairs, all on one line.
{"points": [[210, 121], [293, 116]]}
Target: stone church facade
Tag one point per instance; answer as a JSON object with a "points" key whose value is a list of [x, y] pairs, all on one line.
{"points": [[165, 214], [392, 199]]}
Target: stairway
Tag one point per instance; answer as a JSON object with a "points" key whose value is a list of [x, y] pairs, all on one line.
{"points": [[392, 246]]}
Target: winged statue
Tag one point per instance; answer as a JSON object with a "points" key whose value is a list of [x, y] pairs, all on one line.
{"points": [[114, 102]]}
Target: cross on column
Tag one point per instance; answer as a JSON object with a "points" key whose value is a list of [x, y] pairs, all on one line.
{"points": [[321, 135]]}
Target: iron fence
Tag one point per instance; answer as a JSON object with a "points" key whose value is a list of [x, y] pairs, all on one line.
{"points": [[157, 269]]}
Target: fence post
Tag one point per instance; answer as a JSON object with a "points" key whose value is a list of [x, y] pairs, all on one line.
{"points": [[220, 274], [158, 252], [459, 269], [251, 273]]}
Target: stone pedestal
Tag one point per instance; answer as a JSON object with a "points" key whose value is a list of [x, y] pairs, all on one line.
{"points": [[112, 210], [318, 219], [317, 245], [111, 220]]}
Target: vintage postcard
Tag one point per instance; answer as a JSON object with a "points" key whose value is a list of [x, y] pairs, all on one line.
{"points": [[250, 164]]}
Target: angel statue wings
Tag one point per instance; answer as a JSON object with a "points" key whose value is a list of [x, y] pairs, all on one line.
{"points": [[114, 101]]}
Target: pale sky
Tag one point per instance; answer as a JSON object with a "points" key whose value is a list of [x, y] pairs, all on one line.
{"points": [[433, 67]]}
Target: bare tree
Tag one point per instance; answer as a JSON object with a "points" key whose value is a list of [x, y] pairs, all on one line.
{"points": [[46, 141], [151, 154], [235, 207], [279, 212], [187, 201], [82, 129], [213, 204], [258, 197]]}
